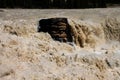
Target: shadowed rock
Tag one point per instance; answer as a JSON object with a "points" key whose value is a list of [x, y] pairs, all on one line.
{"points": [[63, 30], [58, 28]]}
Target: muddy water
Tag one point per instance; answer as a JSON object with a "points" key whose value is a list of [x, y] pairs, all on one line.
{"points": [[26, 54]]}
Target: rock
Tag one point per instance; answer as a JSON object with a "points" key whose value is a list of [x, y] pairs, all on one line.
{"points": [[58, 28], [61, 29]]}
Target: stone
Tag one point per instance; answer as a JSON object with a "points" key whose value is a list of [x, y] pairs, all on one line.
{"points": [[58, 28]]}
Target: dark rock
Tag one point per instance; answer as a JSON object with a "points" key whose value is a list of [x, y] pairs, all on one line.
{"points": [[58, 28]]}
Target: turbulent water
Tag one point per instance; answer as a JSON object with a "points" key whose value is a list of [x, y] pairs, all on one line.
{"points": [[26, 54]]}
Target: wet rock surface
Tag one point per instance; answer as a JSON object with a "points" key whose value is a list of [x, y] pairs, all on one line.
{"points": [[58, 28]]}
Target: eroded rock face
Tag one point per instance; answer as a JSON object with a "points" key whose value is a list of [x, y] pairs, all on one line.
{"points": [[58, 28]]}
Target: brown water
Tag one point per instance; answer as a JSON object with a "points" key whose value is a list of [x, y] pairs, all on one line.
{"points": [[26, 54]]}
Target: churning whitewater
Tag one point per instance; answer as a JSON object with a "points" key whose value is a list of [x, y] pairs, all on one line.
{"points": [[92, 54]]}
